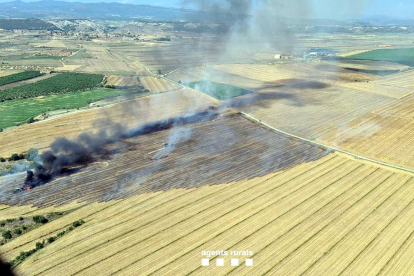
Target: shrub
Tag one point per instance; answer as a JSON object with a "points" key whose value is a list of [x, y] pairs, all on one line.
{"points": [[59, 213], [32, 154], [78, 223], [31, 120], [20, 218], [24, 228], [9, 220], [7, 234], [14, 157], [2, 224], [60, 234], [39, 245], [17, 231], [40, 219], [70, 228], [2, 160], [51, 239]]}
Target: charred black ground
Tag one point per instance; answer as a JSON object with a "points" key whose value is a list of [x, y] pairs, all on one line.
{"points": [[64, 154], [219, 150]]}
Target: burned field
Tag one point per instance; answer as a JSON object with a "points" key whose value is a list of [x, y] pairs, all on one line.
{"points": [[220, 150]]}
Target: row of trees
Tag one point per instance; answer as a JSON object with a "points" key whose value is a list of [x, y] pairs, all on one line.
{"points": [[63, 83], [19, 77]]}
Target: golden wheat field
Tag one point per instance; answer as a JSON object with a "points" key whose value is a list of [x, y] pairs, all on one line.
{"points": [[329, 216], [157, 85], [122, 81]]}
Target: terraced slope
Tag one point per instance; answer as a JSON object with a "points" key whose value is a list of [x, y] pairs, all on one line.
{"points": [[329, 216]]}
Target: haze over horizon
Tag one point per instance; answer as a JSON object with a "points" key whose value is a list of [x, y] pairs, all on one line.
{"points": [[317, 9]]}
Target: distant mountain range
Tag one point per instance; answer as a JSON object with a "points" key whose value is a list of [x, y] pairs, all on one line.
{"points": [[48, 9], [74, 10]]}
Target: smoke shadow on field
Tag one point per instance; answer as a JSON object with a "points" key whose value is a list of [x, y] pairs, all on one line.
{"points": [[297, 84], [269, 92]]}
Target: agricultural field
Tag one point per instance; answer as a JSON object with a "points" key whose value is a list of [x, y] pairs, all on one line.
{"points": [[19, 77], [304, 102], [326, 216], [401, 80], [211, 160], [385, 134], [12, 114], [220, 91], [404, 56], [134, 112], [96, 58], [122, 81], [179, 142], [63, 83], [157, 85]]}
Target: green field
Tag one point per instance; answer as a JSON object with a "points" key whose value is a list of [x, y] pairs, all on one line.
{"points": [[63, 83], [19, 111], [19, 77], [220, 91], [402, 56]]}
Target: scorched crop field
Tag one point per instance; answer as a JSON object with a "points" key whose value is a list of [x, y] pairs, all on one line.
{"points": [[154, 141]]}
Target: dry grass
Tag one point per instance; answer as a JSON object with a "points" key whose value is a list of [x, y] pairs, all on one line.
{"points": [[157, 85]]}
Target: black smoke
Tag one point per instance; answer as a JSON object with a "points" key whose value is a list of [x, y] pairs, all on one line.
{"points": [[65, 155]]}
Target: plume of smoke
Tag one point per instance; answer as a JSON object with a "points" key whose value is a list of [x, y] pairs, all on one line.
{"points": [[65, 153], [177, 135]]}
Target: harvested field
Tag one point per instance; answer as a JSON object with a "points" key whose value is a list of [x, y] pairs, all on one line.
{"points": [[323, 217], [325, 73], [53, 44], [98, 59], [68, 68], [123, 81], [403, 80], [157, 85], [243, 150], [293, 102], [385, 134], [141, 111]]}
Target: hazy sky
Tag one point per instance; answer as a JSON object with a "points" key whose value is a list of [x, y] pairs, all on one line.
{"points": [[329, 9]]}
